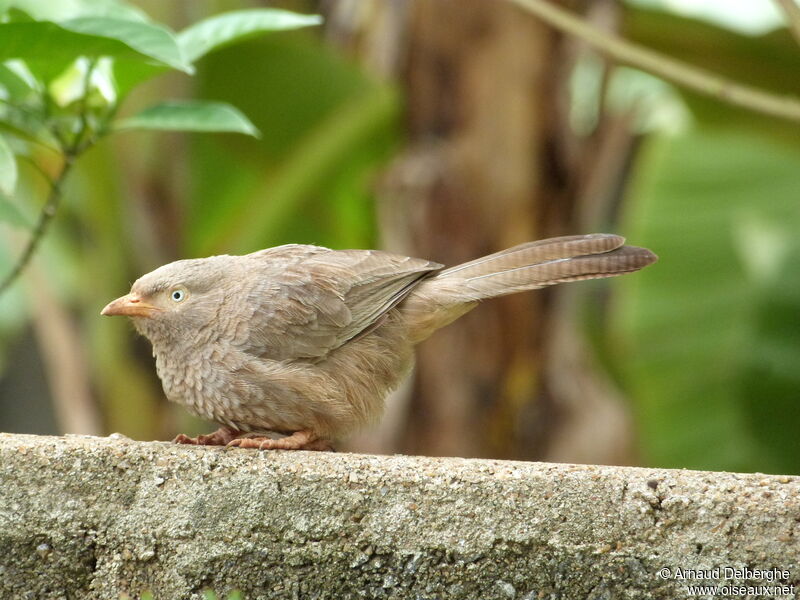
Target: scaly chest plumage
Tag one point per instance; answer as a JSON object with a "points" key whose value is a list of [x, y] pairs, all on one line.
{"points": [[193, 378], [223, 384]]}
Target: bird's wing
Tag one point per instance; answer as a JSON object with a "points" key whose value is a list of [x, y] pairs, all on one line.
{"points": [[310, 300]]}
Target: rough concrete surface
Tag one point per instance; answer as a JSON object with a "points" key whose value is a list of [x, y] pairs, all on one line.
{"points": [[84, 517]]}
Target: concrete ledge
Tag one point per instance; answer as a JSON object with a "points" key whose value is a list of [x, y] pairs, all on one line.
{"points": [[88, 517]]}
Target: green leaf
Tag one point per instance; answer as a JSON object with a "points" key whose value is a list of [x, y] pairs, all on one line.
{"points": [[13, 15], [148, 39], [15, 86], [47, 10], [190, 116], [130, 73], [228, 28], [61, 43], [212, 34], [8, 168]]}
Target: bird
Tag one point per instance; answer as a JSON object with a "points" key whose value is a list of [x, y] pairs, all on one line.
{"points": [[297, 346]]}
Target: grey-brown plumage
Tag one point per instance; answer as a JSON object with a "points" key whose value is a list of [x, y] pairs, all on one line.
{"points": [[306, 342]]}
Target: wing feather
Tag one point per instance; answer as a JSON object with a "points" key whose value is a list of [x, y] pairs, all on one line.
{"points": [[308, 300]]}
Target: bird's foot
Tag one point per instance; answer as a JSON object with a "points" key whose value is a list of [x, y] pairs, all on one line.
{"points": [[299, 440], [221, 437]]}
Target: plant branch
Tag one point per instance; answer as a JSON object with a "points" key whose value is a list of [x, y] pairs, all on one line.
{"points": [[71, 152], [686, 75], [38, 168], [791, 10], [45, 216]]}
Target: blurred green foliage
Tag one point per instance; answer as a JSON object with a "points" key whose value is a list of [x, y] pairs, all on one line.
{"points": [[64, 80], [326, 129], [709, 369], [708, 344]]}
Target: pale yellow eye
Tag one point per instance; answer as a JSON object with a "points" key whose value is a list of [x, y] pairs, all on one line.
{"points": [[177, 295]]}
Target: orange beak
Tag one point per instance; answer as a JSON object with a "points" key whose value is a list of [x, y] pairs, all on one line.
{"points": [[129, 306]]}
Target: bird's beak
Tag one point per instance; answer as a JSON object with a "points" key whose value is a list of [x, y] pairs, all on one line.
{"points": [[130, 306]]}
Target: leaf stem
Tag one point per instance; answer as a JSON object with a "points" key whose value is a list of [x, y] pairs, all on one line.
{"points": [[791, 10], [78, 144], [681, 73]]}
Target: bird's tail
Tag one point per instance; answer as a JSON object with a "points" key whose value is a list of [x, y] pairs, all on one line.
{"points": [[450, 293]]}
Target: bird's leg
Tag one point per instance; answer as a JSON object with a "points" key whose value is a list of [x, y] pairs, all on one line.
{"points": [[220, 437], [299, 440]]}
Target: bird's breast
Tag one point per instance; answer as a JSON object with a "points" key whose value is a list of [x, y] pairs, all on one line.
{"points": [[192, 378]]}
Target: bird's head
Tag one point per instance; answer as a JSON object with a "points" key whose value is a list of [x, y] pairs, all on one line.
{"points": [[178, 298]]}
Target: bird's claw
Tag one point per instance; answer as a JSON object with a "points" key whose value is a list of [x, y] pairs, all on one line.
{"points": [[299, 440], [220, 437], [182, 438]]}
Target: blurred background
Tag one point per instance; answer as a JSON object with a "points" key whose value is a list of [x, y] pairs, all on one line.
{"points": [[449, 129]]}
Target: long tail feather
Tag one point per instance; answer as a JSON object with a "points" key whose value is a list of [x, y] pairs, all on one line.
{"points": [[511, 279], [532, 253], [440, 299]]}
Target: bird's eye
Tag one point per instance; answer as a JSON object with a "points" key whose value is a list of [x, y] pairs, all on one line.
{"points": [[177, 295]]}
